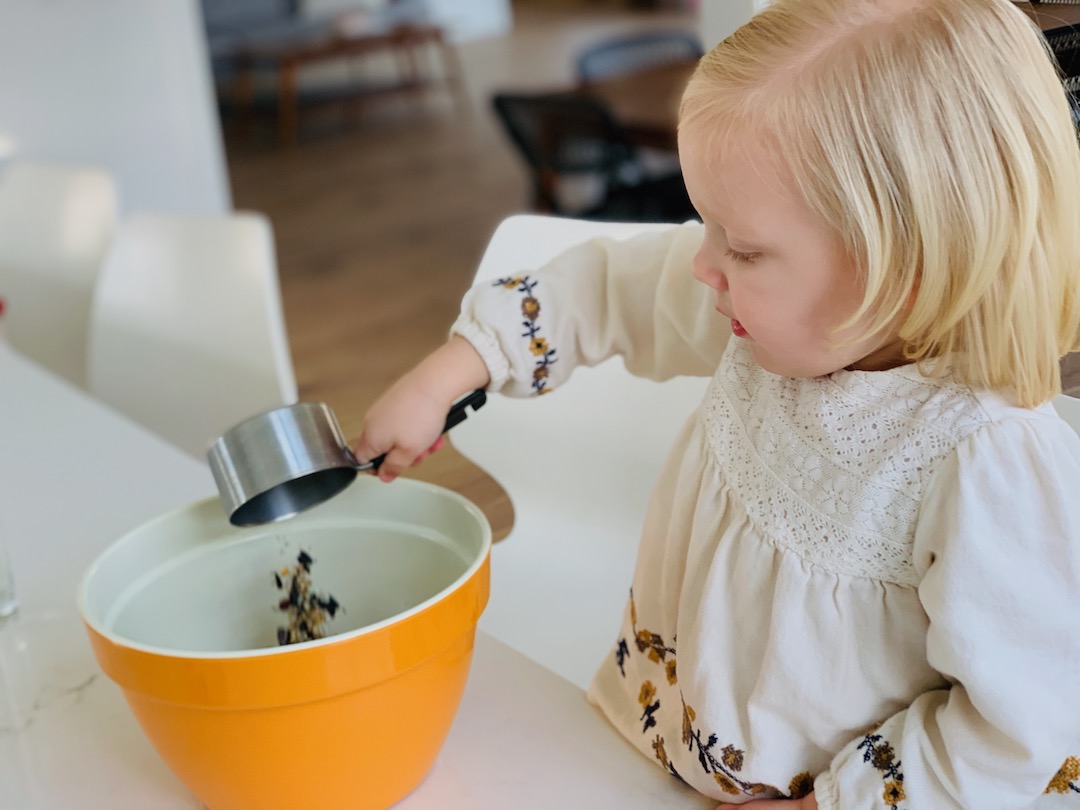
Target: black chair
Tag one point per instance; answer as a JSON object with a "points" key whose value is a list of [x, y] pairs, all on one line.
{"points": [[568, 136], [626, 54], [1065, 43]]}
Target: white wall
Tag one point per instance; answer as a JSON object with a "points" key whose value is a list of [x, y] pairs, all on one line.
{"points": [[122, 84], [718, 18], [464, 20]]}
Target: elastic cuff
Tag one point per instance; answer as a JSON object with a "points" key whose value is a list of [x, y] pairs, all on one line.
{"points": [[488, 347], [825, 791]]}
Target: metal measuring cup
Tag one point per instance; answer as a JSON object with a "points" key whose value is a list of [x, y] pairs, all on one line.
{"points": [[279, 463]]}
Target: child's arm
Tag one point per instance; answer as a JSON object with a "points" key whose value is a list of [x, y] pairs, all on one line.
{"points": [[998, 547], [524, 334], [805, 803], [635, 298]]}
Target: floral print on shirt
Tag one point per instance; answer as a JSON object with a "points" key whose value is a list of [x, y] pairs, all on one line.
{"points": [[538, 344], [1067, 779], [724, 763], [878, 752]]}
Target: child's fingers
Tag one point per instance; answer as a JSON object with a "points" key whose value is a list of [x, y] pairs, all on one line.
{"points": [[400, 458], [390, 467], [434, 448], [365, 450], [396, 462]]}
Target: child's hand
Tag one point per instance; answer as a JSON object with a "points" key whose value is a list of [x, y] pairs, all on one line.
{"points": [[406, 423], [805, 803]]}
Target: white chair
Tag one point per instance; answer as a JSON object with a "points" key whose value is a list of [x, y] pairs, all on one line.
{"points": [[56, 224], [1068, 408], [187, 334], [578, 466]]}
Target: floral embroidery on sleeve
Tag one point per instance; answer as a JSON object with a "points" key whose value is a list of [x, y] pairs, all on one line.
{"points": [[879, 753], [538, 345], [1067, 778]]}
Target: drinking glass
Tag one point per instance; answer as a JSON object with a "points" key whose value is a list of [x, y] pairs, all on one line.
{"points": [[13, 705], [13, 682], [44, 670], [9, 601]]}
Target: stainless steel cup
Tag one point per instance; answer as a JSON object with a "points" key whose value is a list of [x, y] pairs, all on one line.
{"points": [[279, 463]]}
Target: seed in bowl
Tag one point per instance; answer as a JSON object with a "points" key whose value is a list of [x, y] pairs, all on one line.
{"points": [[308, 611]]}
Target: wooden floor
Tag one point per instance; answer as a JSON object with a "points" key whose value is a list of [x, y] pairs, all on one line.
{"points": [[380, 220]]}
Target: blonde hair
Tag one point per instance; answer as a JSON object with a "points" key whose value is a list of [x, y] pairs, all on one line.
{"points": [[935, 138]]}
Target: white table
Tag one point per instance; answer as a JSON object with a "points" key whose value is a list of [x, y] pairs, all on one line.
{"points": [[74, 476]]}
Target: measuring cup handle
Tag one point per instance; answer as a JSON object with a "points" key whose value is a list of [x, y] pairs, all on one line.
{"points": [[458, 413]]}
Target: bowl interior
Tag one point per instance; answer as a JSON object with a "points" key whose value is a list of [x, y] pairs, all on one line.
{"points": [[190, 583]]}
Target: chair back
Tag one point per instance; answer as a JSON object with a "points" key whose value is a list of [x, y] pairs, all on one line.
{"points": [[634, 52], [1065, 43], [1068, 408], [567, 137], [187, 333], [56, 225], [563, 133]]}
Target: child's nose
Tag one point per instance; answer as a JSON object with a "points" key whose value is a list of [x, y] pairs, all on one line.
{"points": [[709, 273]]}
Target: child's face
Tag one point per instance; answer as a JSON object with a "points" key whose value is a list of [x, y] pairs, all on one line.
{"points": [[783, 278]]}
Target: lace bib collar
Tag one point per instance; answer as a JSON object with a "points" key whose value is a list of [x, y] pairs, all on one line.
{"points": [[833, 468]]}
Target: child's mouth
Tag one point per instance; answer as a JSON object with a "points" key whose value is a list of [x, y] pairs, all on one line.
{"points": [[737, 329]]}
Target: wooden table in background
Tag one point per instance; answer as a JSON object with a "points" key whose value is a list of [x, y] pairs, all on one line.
{"points": [[406, 43]]}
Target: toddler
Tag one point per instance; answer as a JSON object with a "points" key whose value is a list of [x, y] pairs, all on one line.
{"points": [[858, 583]]}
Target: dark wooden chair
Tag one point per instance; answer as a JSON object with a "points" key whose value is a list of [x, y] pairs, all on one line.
{"points": [[567, 136], [1065, 43]]}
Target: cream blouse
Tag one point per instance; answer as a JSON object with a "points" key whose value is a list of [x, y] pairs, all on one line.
{"points": [[865, 584]]}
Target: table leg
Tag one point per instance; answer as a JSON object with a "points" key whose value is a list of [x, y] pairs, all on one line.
{"points": [[243, 96], [451, 71], [288, 104], [404, 47], [354, 107]]}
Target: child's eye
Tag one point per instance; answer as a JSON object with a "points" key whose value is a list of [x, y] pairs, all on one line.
{"points": [[747, 258]]}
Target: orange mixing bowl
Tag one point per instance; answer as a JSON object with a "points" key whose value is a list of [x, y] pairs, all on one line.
{"points": [[182, 615]]}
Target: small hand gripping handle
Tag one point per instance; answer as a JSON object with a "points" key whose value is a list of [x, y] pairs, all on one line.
{"points": [[458, 413]]}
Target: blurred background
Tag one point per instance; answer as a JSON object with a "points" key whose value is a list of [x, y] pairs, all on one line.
{"points": [[210, 207], [362, 131]]}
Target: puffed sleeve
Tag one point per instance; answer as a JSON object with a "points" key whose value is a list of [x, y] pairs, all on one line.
{"points": [[636, 298], [998, 540]]}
